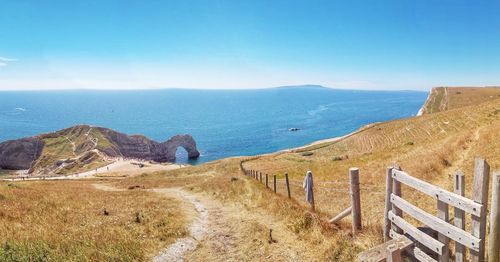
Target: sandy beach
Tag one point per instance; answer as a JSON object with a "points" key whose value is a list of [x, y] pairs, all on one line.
{"points": [[119, 167]]}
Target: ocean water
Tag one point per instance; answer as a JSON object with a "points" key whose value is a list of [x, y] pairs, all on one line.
{"points": [[223, 122]]}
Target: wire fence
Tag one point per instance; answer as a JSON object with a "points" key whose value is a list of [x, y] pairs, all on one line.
{"points": [[331, 197]]}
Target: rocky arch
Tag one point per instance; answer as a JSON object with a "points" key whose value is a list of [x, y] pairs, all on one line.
{"points": [[170, 147]]}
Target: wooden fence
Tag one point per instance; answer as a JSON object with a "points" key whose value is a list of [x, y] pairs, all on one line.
{"points": [[421, 244], [354, 191]]}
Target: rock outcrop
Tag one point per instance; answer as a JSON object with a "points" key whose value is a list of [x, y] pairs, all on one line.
{"points": [[20, 154], [47, 153], [171, 145], [137, 146]]}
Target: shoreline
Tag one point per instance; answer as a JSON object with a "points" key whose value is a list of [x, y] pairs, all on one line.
{"points": [[328, 140], [421, 110], [128, 167]]}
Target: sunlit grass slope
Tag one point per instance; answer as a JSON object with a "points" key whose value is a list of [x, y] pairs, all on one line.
{"points": [[446, 98], [66, 221]]}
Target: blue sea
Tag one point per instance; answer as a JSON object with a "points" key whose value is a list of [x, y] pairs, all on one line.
{"points": [[224, 123]]}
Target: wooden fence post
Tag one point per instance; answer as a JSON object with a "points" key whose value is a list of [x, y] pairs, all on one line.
{"points": [[388, 205], [396, 190], [287, 185], [260, 177], [480, 195], [459, 219], [274, 178], [355, 199], [393, 253], [267, 181], [494, 240]]}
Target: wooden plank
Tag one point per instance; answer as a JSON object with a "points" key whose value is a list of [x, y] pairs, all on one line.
{"points": [[267, 181], [355, 199], [341, 215], [388, 205], [378, 253], [480, 195], [437, 224], [443, 214], [418, 235], [260, 176], [438, 193], [288, 186], [396, 190], [459, 215], [422, 256], [494, 240]]}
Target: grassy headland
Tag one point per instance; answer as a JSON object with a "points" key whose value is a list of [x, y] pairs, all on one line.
{"points": [[445, 98]]}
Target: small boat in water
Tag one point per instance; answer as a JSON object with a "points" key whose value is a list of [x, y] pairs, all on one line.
{"points": [[293, 129]]}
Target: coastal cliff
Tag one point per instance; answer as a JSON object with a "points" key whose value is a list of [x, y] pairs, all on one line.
{"points": [[20, 154], [86, 147], [446, 98]]}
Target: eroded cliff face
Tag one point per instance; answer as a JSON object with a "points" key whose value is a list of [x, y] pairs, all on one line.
{"points": [[50, 153], [137, 146], [166, 150], [20, 154]]}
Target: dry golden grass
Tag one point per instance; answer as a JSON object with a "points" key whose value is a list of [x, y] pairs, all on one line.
{"points": [[65, 221], [446, 98], [224, 182]]}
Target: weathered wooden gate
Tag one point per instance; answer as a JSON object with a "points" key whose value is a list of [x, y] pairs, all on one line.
{"points": [[404, 239]]}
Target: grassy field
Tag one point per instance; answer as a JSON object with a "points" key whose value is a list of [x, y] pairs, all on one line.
{"points": [[445, 98], [65, 221], [436, 101]]}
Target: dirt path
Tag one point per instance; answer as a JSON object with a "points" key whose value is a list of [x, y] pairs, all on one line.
{"points": [[226, 232], [465, 154], [198, 227], [238, 234]]}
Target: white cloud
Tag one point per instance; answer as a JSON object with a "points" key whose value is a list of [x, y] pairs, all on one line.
{"points": [[5, 61]]}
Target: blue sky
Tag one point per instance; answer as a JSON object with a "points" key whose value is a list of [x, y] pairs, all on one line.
{"points": [[126, 44]]}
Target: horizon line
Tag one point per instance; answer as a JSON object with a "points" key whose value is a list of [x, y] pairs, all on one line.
{"points": [[211, 89]]}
